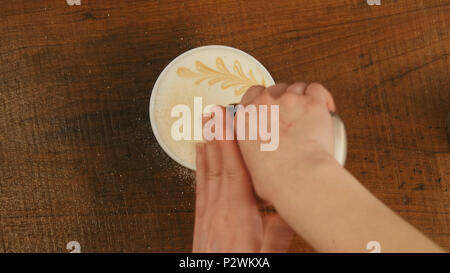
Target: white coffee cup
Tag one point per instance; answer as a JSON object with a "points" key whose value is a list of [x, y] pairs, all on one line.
{"points": [[170, 81]]}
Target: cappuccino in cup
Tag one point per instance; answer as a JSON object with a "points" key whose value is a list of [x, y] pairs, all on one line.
{"points": [[211, 75], [219, 75]]}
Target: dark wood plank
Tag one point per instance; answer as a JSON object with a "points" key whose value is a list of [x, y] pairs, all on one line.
{"points": [[78, 161]]}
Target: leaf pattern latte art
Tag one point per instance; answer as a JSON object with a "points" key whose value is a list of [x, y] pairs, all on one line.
{"points": [[222, 75]]}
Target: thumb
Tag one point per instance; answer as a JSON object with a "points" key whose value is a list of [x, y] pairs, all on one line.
{"points": [[277, 235]]}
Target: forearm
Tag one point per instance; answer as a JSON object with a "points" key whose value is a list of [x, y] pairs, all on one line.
{"points": [[330, 209]]}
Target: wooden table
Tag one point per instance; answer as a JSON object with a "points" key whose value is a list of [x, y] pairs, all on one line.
{"points": [[79, 162]]}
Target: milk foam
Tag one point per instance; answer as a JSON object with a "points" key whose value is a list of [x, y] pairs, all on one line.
{"points": [[172, 89]]}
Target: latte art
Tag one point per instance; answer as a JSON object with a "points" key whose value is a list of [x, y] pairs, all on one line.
{"points": [[218, 74]]}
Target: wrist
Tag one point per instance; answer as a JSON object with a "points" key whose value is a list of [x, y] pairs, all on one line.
{"points": [[313, 164]]}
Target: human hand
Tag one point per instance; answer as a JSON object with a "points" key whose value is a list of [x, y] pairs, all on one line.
{"points": [[305, 135], [318, 198], [227, 218]]}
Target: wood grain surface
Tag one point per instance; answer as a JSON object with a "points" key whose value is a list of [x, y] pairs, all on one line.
{"points": [[79, 162]]}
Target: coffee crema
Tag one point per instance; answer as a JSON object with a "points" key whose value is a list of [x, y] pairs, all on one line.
{"points": [[218, 74]]}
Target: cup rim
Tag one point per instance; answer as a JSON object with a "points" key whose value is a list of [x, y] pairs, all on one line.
{"points": [[164, 72]]}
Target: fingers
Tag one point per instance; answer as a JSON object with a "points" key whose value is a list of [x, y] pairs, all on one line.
{"points": [[277, 234], [251, 94], [201, 195], [200, 177], [229, 169], [313, 90], [277, 90], [207, 188], [213, 161], [213, 156], [320, 93], [237, 183], [297, 88]]}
